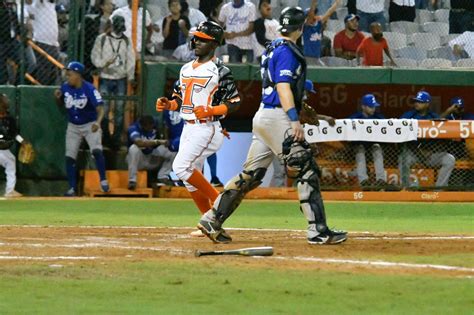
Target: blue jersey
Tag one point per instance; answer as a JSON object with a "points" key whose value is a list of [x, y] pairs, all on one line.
{"points": [[81, 103], [135, 132], [360, 115], [283, 66], [413, 114], [463, 116], [312, 36], [175, 125]]}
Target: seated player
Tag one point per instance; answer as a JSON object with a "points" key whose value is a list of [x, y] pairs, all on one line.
{"points": [[456, 111], [369, 111], [429, 152], [85, 110], [146, 152]]}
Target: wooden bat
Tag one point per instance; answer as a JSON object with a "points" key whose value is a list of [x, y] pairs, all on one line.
{"points": [[253, 251]]}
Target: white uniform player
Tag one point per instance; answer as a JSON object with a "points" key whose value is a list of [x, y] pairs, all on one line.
{"points": [[205, 93]]}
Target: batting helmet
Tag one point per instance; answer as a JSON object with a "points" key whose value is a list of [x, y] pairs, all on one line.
{"points": [[291, 19], [76, 66], [422, 97], [210, 30]]}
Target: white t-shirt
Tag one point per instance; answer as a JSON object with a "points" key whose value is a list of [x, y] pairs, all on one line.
{"points": [[271, 33], [406, 3], [126, 12], [120, 3], [237, 20], [195, 17], [466, 41], [45, 22], [370, 6]]}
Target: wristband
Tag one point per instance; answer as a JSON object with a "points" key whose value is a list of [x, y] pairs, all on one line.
{"points": [[292, 114]]}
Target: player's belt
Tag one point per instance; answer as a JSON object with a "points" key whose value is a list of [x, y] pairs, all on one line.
{"points": [[271, 106], [197, 121]]}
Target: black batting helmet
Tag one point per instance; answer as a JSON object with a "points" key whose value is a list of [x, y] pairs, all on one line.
{"points": [[210, 30], [291, 19]]}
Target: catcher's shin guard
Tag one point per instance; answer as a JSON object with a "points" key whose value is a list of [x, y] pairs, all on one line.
{"points": [[230, 199]]}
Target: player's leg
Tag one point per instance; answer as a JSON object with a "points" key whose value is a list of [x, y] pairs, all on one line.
{"points": [[405, 160], [212, 161], [166, 167], [94, 140], [73, 142], [377, 157], [447, 162], [361, 164], [134, 158], [8, 161]]}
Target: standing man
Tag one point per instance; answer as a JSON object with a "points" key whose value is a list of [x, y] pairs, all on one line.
{"points": [[313, 31], [266, 28], [85, 112], [278, 132], [372, 48], [402, 10], [238, 17], [206, 93], [370, 11], [347, 40], [369, 111]]}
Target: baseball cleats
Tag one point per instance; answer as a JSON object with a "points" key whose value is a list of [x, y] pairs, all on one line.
{"points": [[132, 185], [214, 232], [13, 194], [104, 185], [164, 182], [70, 193], [329, 237], [215, 182]]}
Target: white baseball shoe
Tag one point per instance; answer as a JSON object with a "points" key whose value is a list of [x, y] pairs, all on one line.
{"points": [[197, 233]]}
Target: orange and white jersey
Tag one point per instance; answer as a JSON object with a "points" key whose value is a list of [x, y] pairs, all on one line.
{"points": [[205, 84]]}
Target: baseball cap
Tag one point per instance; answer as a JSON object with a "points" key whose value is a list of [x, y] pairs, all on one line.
{"points": [[457, 101], [76, 66], [370, 100], [422, 97], [351, 17], [308, 86]]}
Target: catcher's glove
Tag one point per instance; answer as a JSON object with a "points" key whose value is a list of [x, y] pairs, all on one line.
{"points": [[26, 155]]}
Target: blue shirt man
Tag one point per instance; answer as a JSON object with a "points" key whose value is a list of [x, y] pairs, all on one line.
{"points": [[137, 131], [368, 109], [81, 102], [421, 109], [457, 111]]}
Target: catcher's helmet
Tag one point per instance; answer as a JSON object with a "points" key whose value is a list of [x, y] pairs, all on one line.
{"points": [[291, 19], [210, 30]]}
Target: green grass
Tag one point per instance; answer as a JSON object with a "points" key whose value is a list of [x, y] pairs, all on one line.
{"points": [[205, 288], [385, 217]]}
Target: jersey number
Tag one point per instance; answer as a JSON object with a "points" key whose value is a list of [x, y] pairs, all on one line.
{"points": [[188, 85]]}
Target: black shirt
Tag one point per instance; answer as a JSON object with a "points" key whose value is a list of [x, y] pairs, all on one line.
{"points": [[8, 132], [175, 36], [462, 4]]}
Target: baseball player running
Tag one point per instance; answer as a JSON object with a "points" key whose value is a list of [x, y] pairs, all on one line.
{"points": [[277, 131], [85, 111], [206, 93]]}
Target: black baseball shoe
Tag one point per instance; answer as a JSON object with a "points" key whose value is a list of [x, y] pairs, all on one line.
{"points": [[329, 237], [215, 182], [132, 185], [214, 232]]}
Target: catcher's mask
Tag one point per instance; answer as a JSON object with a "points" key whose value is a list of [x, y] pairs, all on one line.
{"points": [[297, 155]]}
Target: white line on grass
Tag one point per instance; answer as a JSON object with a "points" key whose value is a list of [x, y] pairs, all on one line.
{"points": [[48, 257]]}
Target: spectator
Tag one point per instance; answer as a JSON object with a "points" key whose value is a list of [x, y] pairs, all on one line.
{"points": [[372, 48], [457, 111], [313, 30], [210, 8], [266, 28], [348, 40], [370, 11], [238, 18], [322, 5], [45, 35], [461, 16], [402, 10], [126, 12], [463, 45], [145, 151], [175, 28], [194, 15], [8, 136], [63, 29], [184, 52], [369, 111], [113, 55], [429, 152]]}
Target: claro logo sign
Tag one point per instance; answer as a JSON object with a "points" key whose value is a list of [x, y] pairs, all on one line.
{"points": [[430, 129]]}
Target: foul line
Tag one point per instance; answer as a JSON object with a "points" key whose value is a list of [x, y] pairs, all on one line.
{"points": [[48, 257]]}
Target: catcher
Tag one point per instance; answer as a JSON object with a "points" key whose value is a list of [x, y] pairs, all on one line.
{"points": [[8, 135]]}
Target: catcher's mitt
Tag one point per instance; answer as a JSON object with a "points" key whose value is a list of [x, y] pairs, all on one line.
{"points": [[26, 155]]}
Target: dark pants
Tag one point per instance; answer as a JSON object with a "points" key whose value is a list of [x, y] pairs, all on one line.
{"points": [[47, 73], [111, 88], [351, 6], [460, 21], [401, 13], [236, 54]]}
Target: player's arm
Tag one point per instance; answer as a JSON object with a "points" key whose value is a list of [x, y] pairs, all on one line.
{"points": [[143, 143], [59, 98], [311, 15], [389, 55], [163, 103], [287, 102], [330, 11]]}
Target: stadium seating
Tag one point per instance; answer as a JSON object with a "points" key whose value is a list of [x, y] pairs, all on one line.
{"points": [[336, 62], [445, 39], [436, 63], [465, 63], [405, 27], [442, 52], [441, 15], [405, 62], [414, 53], [426, 41], [439, 28], [395, 40], [335, 25], [341, 13], [424, 16]]}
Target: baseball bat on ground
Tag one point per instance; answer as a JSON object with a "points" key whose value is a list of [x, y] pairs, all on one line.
{"points": [[253, 251]]}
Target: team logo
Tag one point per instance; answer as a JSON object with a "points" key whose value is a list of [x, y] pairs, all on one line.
{"points": [[78, 102], [286, 21]]}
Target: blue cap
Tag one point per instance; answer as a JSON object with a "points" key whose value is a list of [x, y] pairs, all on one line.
{"points": [[76, 66], [422, 97], [370, 100], [457, 101], [308, 86], [60, 8], [351, 17]]}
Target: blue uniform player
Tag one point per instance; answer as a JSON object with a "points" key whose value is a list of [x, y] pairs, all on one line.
{"points": [[313, 31], [429, 152], [147, 152], [85, 112], [278, 132], [368, 110], [457, 111]]}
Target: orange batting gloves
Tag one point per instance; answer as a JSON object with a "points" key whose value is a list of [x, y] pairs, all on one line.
{"points": [[203, 112], [164, 104]]}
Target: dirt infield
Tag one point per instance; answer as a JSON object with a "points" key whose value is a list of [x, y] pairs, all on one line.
{"points": [[363, 252]]}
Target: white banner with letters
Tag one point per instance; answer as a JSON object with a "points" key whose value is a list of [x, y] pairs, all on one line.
{"points": [[370, 130]]}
